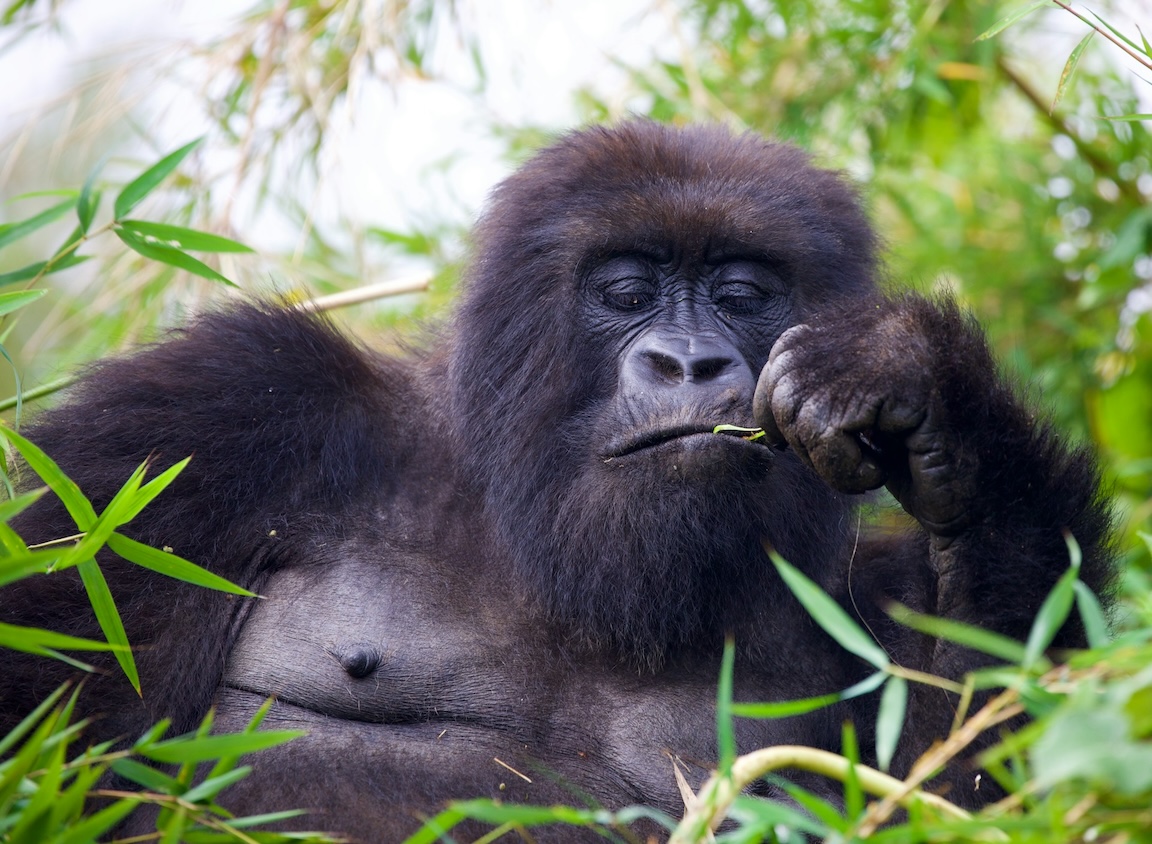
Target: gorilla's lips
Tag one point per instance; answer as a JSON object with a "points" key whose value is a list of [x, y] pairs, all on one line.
{"points": [[654, 437]]}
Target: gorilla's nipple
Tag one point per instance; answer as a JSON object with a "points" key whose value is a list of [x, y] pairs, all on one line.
{"points": [[360, 661]]}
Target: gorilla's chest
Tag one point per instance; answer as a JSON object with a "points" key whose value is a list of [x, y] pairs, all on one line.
{"points": [[393, 666]]}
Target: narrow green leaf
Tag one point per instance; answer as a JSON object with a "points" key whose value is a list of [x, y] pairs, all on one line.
{"points": [[1069, 68], [18, 299], [12, 507], [41, 268], [782, 709], [79, 508], [93, 827], [154, 487], [100, 530], [830, 615], [11, 232], [1092, 614], [29, 638], [1051, 617], [170, 565], [170, 256], [227, 763], [725, 735], [1144, 41], [1116, 32], [184, 750], [1006, 22], [29, 722], [1130, 118], [977, 638], [890, 720], [26, 564], [109, 618], [89, 199], [853, 791], [146, 776], [147, 181], [212, 786], [177, 237]]}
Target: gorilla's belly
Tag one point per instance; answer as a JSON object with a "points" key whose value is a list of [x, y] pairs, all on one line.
{"points": [[412, 690]]}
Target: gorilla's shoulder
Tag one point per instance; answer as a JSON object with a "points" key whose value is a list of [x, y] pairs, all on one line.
{"points": [[276, 407]]}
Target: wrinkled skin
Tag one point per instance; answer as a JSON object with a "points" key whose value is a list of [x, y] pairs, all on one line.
{"points": [[522, 547]]}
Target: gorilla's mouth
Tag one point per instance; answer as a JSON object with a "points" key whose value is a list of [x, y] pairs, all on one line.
{"points": [[700, 435]]}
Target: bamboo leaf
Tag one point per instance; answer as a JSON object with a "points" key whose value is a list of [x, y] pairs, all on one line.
{"points": [[41, 268], [79, 508], [1006, 22], [17, 299], [154, 487], [1069, 68], [89, 200], [11, 232], [1052, 615], [784, 708], [1092, 614], [146, 182], [977, 638], [170, 256], [32, 639], [830, 615], [890, 720], [177, 237], [725, 735], [206, 748], [170, 565], [109, 618], [12, 507]]}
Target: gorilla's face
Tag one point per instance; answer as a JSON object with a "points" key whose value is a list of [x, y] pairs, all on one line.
{"points": [[626, 290], [688, 334]]}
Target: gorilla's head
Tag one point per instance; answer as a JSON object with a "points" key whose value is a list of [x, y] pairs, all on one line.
{"points": [[626, 289]]}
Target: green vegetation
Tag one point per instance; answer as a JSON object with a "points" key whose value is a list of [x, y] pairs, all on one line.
{"points": [[1013, 173]]}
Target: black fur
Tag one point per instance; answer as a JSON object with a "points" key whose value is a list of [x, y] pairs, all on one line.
{"points": [[518, 543]]}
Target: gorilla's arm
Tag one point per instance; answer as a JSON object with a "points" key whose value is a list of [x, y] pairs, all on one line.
{"points": [[905, 393], [282, 417]]}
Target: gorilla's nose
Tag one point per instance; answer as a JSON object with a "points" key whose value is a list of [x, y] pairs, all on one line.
{"points": [[670, 362]]}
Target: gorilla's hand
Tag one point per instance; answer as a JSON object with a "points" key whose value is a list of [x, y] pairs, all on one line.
{"points": [[869, 398]]}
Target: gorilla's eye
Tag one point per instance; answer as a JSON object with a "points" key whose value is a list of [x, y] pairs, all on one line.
{"points": [[741, 298], [628, 294]]}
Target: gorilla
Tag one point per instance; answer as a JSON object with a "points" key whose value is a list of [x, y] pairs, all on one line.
{"points": [[521, 545]]}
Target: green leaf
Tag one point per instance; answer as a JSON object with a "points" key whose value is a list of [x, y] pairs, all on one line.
{"points": [[41, 268], [11, 232], [1006, 22], [146, 776], [147, 181], [27, 563], [154, 487], [18, 299], [784, 708], [12, 507], [177, 237], [890, 720], [89, 199], [170, 256], [93, 827], [109, 618], [1051, 617], [204, 749], [35, 640], [170, 565], [725, 735], [977, 638], [1092, 614], [830, 615], [79, 508], [1069, 68], [212, 786], [30, 721]]}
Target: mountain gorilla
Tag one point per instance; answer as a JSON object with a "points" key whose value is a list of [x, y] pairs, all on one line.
{"points": [[523, 545]]}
